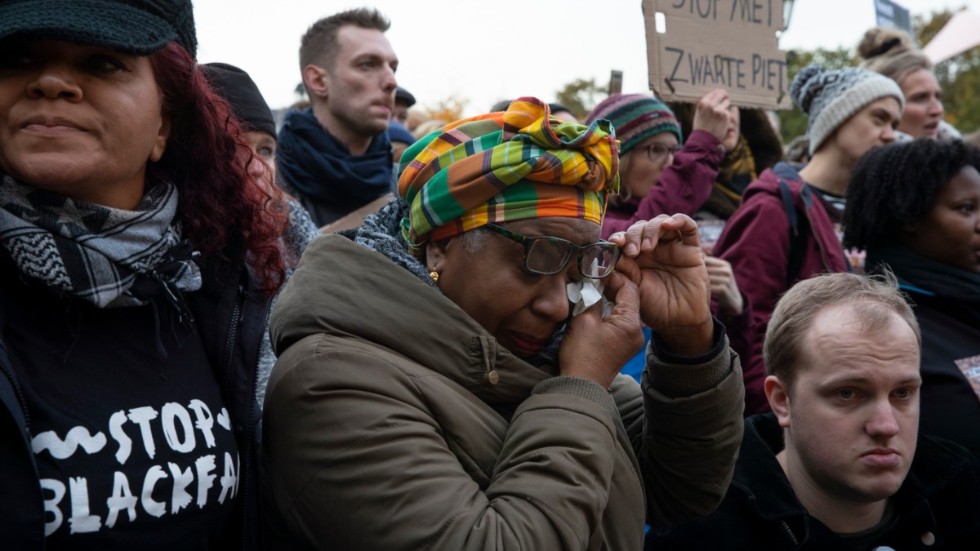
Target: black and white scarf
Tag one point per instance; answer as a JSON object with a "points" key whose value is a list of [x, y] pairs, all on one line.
{"points": [[108, 257]]}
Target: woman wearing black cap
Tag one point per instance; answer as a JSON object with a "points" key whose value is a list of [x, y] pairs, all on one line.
{"points": [[137, 263]]}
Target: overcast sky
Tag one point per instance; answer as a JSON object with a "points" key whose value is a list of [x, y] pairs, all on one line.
{"points": [[482, 51]]}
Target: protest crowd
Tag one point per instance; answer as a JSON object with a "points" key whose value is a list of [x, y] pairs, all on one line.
{"points": [[650, 326]]}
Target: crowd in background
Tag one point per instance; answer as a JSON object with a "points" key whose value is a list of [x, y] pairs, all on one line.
{"points": [[650, 325]]}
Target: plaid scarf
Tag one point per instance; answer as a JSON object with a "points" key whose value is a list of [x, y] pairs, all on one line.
{"points": [[512, 165], [108, 257], [736, 172]]}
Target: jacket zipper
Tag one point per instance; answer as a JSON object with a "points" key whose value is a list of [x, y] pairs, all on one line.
{"points": [[244, 465], [789, 532], [248, 438]]}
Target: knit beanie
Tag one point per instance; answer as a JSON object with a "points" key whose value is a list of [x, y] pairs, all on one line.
{"points": [[139, 27], [635, 117], [831, 97], [240, 91]]}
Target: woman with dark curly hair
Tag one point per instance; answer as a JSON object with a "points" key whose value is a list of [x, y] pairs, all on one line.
{"points": [[137, 264], [915, 208]]}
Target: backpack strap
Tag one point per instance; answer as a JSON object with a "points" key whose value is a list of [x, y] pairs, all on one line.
{"points": [[799, 230]]}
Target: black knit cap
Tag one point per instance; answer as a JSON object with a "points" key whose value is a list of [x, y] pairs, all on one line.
{"points": [[241, 92], [139, 27]]}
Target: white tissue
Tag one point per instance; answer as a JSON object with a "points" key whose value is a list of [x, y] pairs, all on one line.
{"points": [[583, 294]]}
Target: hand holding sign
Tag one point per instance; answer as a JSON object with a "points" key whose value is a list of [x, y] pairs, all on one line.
{"points": [[712, 114]]}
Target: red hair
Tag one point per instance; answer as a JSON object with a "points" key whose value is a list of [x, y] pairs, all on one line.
{"points": [[206, 158]]}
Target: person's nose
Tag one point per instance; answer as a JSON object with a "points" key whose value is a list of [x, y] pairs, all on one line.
{"points": [[551, 301], [883, 422], [388, 80], [256, 167], [936, 107], [55, 81], [888, 134]]}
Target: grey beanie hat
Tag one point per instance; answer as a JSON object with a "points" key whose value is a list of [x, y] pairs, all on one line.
{"points": [[830, 97], [139, 27]]}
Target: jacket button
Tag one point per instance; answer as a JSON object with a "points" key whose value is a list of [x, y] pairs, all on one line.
{"points": [[491, 377], [928, 539]]}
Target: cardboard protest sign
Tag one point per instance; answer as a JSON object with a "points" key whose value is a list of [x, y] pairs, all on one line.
{"points": [[711, 44]]}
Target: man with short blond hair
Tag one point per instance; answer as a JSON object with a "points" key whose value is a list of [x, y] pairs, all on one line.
{"points": [[838, 464], [335, 156]]}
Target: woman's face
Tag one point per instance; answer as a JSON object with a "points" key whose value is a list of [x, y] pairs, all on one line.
{"points": [[640, 168], [732, 133], [262, 166], [923, 104], [521, 309], [950, 232], [82, 121]]}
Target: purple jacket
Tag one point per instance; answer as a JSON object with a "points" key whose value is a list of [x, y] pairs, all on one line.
{"points": [[683, 187], [757, 242]]}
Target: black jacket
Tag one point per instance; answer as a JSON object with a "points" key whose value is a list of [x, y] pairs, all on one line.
{"points": [[941, 496], [950, 331], [230, 315]]}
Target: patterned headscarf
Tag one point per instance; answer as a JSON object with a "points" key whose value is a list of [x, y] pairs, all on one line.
{"points": [[510, 165]]}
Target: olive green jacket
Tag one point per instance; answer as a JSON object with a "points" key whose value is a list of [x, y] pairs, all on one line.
{"points": [[394, 421]]}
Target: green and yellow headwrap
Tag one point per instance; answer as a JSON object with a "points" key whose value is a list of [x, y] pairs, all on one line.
{"points": [[511, 165]]}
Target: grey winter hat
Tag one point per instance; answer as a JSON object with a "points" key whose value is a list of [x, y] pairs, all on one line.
{"points": [[830, 97], [139, 27]]}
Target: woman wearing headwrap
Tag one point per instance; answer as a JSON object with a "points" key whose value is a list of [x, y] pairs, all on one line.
{"points": [[434, 389], [137, 265]]}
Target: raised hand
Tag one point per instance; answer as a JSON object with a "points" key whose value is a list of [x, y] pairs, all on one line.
{"points": [[663, 258], [713, 114]]}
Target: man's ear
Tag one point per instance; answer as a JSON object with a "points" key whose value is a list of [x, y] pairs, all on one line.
{"points": [[316, 80], [778, 395]]}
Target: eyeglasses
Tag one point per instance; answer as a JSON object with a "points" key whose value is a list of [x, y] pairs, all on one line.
{"points": [[550, 255], [657, 152]]}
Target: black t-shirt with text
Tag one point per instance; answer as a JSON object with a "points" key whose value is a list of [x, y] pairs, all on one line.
{"points": [[134, 448]]}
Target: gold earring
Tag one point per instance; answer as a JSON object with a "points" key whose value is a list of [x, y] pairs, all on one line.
{"points": [[434, 276]]}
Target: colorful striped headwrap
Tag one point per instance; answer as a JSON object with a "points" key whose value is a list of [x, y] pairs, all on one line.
{"points": [[504, 166]]}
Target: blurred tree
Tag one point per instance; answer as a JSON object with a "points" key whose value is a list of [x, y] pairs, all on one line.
{"points": [[448, 110], [959, 76], [580, 96]]}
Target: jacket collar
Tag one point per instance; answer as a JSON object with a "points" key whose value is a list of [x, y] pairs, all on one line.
{"points": [[760, 478], [344, 289]]}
